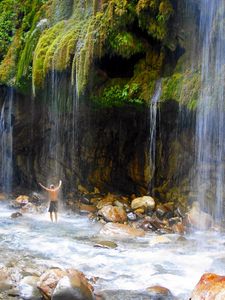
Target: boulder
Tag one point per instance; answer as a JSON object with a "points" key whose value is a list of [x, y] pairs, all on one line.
{"points": [[87, 208], [16, 215], [107, 200], [113, 214], [159, 292], [121, 231], [48, 281], [64, 284], [211, 286], [145, 202], [22, 200], [106, 244], [198, 219], [74, 286]]}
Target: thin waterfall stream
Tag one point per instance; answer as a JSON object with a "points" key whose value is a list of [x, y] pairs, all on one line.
{"points": [[154, 116]]}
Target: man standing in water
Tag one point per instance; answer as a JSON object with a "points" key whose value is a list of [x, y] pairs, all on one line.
{"points": [[53, 197]]}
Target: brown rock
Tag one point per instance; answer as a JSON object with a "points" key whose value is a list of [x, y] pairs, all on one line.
{"points": [[87, 208], [179, 228], [160, 292], [211, 286], [77, 281], [109, 199], [121, 230], [145, 202], [113, 214], [139, 211]]}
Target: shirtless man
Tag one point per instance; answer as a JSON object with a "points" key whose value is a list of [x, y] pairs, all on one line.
{"points": [[53, 197]]}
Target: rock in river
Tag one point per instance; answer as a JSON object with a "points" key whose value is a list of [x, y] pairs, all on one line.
{"points": [[121, 231], [211, 286], [113, 214], [61, 284], [146, 202]]}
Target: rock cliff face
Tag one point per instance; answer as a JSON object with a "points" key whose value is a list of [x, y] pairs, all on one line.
{"points": [[109, 55]]}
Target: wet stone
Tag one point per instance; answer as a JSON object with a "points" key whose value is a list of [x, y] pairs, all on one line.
{"points": [[131, 216], [16, 215], [160, 293], [125, 295], [106, 244]]}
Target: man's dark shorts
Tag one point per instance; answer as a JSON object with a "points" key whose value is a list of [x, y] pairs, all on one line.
{"points": [[53, 206]]}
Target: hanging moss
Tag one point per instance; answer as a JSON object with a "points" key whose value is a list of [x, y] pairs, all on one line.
{"points": [[182, 87]]}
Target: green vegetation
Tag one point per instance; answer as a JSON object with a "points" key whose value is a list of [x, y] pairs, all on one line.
{"points": [[183, 87], [39, 36], [117, 95]]}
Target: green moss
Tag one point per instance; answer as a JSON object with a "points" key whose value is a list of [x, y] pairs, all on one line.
{"points": [[153, 16], [125, 44], [182, 87], [119, 95]]}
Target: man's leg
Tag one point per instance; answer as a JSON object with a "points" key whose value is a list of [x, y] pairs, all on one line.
{"points": [[51, 217], [56, 217]]}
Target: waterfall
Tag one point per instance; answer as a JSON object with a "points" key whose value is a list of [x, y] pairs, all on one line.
{"points": [[59, 128], [6, 144], [153, 128], [210, 120]]}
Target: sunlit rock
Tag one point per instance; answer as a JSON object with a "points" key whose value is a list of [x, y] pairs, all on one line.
{"points": [[160, 292], [73, 287], [22, 200], [211, 286], [198, 219], [121, 231], [107, 200], [113, 214], [74, 283], [146, 202]]}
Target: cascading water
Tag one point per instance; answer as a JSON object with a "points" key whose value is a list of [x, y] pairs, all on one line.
{"points": [[153, 126], [59, 148], [6, 144], [210, 121]]}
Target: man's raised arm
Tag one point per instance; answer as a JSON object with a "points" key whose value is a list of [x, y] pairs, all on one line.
{"points": [[45, 188]]}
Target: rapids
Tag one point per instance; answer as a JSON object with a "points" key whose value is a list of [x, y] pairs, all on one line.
{"points": [[32, 240]]}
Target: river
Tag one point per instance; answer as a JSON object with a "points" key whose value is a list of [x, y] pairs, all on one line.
{"points": [[176, 262]]}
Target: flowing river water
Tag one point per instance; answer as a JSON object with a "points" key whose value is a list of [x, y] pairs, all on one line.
{"points": [[176, 262]]}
